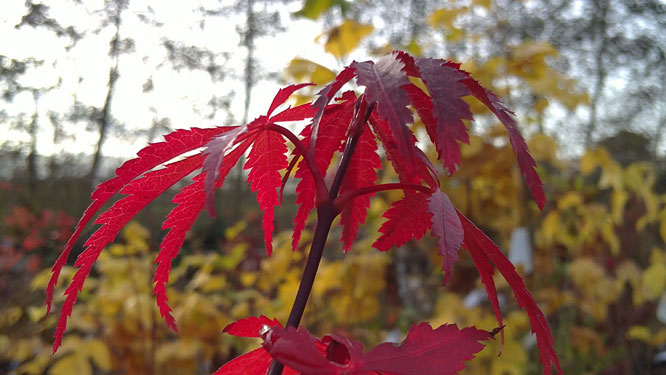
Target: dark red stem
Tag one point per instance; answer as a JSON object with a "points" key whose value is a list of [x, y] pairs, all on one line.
{"points": [[361, 114], [340, 201], [325, 215]]}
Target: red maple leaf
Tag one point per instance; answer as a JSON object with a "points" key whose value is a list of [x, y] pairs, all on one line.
{"points": [[384, 81], [267, 157], [408, 219], [446, 226], [438, 351], [362, 172]]}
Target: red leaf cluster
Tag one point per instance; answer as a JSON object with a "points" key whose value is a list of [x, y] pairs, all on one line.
{"points": [[353, 127]]}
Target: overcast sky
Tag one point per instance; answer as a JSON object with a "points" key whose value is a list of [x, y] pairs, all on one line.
{"points": [[177, 96]]}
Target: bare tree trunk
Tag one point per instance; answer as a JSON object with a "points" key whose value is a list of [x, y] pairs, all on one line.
{"points": [[248, 43], [104, 118], [32, 155], [600, 24]]}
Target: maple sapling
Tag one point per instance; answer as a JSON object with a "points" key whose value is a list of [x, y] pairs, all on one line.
{"points": [[353, 126]]}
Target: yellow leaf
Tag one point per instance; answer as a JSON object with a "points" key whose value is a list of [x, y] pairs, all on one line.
{"points": [[554, 299], [180, 350], [654, 277], [248, 278], [659, 338], [36, 313], [598, 290], [484, 3], [233, 231], [541, 104], [41, 279], [618, 201], [35, 366], [71, 364], [629, 272], [10, 315], [4, 345], [304, 70], [98, 352], [513, 360], [529, 51], [474, 147], [543, 148], [312, 9], [444, 18], [641, 333], [609, 234], [134, 231], [343, 39], [414, 48], [569, 200], [550, 226], [611, 171], [455, 35], [117, 250]]}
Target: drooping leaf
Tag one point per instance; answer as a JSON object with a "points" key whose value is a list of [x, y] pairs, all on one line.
{"points": [[361, 172], [446, 90], [486, 272], [476, 240], [176, 143], [446, 226], [266, 159], [190, 201], [383, 82], [139, 193], [438, 351], [525, 161], [250, 327], [408, 219]]}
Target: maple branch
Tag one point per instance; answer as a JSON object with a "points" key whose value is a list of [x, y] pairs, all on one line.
{"points": [[326, 212], [361, 115], [320, 184], [340, 201], [325, 215]]}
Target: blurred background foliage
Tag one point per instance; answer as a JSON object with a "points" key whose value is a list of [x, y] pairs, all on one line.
{"points": [[586, 79]]}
